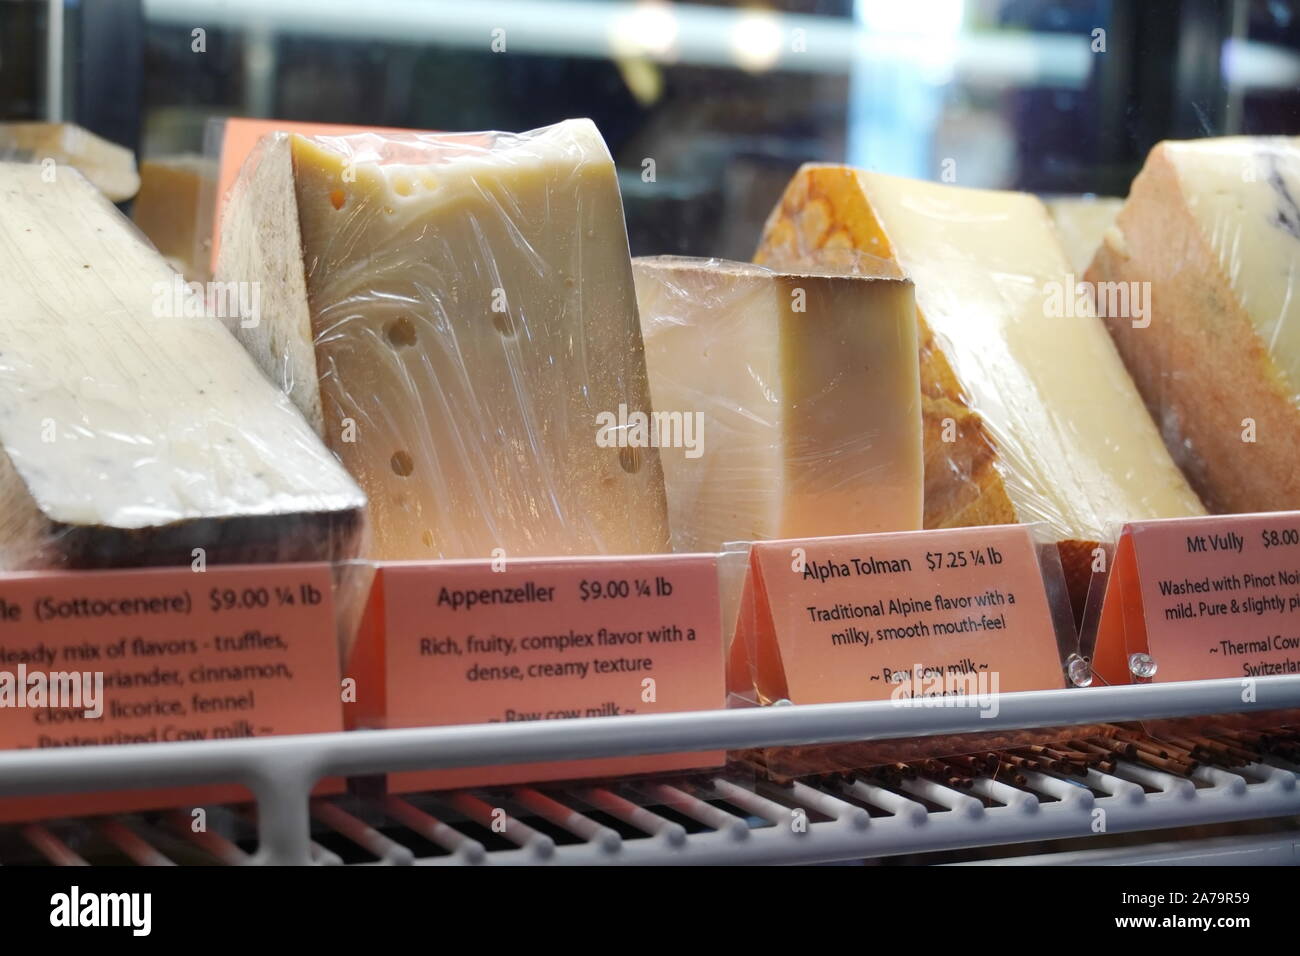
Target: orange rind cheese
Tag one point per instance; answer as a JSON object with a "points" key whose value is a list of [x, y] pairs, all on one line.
{"points": [[1029, 414]]}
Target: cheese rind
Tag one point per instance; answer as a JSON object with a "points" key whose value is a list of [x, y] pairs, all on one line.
{"points": [[1213, 227], [132, 434], [1029, 415], [805, 393], [111, 168], [453, 312]]}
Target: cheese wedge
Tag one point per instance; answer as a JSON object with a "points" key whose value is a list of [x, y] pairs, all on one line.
{"points": [[1029, 414], [455, 314], [796, 399], [168, 209], [133, 434], [1080, 222], [1211, 230], [110, 167]]}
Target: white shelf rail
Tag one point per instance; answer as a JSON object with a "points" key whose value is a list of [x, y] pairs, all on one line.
{"points": [[281, 772]]}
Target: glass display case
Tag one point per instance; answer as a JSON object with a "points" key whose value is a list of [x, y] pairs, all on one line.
{"points": [[993, 263], [708, 108]]}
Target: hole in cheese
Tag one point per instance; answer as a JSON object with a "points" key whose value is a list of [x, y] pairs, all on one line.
{"points": [[630, 459], [402, 463], [400, 333]]}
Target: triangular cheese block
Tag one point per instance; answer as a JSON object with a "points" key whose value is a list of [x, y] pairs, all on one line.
{"points": [[135, 429], [1029, 413], [455, 314], [799, 393], [1211, 234]]}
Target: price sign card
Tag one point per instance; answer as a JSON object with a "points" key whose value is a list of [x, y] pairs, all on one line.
{"points": [[124, 657], [1199, 598], [907, 615], [466, 642]]}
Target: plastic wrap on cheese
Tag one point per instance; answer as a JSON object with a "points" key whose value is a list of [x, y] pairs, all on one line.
{"points": [[134, 429], [455, 315], [1028, 411], [1208, 243], [789, 404]]}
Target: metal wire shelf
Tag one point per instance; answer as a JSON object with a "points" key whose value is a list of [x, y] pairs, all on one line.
{"points": [[708, 818]]}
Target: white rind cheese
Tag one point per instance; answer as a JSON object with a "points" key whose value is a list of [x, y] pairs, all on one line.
{"points": [[111, 168], [132, 434]]}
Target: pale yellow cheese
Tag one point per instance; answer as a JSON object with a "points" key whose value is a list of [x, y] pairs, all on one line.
{"points": [[1029, 412], [111, 168], [1211, 230], [1081, 222], [1243, 193], [134, 429], [455, 313], [169, 210], [797, 399]]}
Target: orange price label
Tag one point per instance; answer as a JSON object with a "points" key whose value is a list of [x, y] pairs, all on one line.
{"points": [[1200, 598], [907, 615], [465, 642], [124, 657]]}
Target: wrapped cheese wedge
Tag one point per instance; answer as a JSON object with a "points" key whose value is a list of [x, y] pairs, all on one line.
{"points": [[796, 398], [1210, 235], [455, 314], [134, 429], [1028, 411], [111, 168]]}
